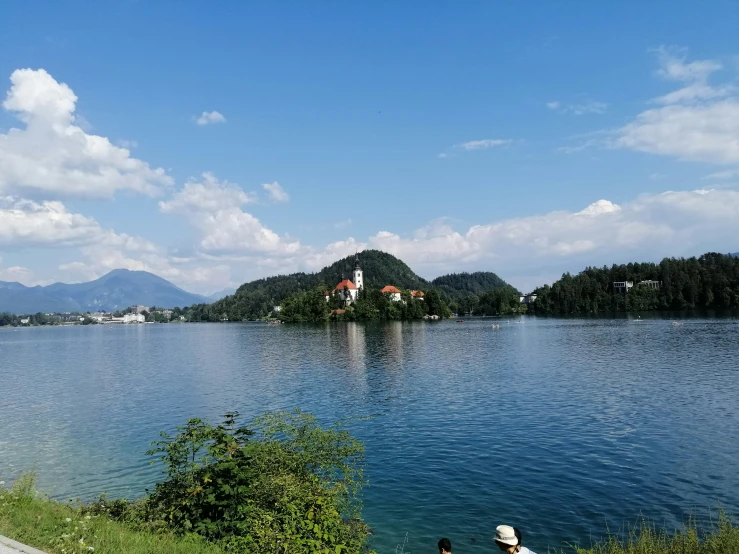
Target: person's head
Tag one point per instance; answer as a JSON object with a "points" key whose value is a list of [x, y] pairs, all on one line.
{"points": [[508, 539], [445, 546]]}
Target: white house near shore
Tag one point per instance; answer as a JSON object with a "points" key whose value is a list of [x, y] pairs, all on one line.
{"points": [[392, 292]]}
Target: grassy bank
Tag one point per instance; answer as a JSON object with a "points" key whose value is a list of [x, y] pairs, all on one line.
{"points": [[65, 529], [60, 528], [722, 538]]}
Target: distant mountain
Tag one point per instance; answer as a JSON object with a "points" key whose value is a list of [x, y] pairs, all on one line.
{"points": [[115, 291], [257, 298], [221, 294]]}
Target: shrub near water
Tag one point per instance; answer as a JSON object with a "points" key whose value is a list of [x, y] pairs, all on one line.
{"points": [[282, 485]]}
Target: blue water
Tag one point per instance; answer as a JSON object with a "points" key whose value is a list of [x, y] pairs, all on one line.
{"points": [[560, 427]]}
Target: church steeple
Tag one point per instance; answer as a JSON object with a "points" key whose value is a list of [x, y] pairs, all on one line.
{"points": [[358, 274]]}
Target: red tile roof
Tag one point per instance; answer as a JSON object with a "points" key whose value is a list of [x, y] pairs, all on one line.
{"points": [[338, 311], [416, 293], [346, 283], [390, 289]]}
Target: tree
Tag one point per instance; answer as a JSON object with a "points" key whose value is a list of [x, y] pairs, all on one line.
{"points": [[710, 281], [282, 484], [436, 305]]}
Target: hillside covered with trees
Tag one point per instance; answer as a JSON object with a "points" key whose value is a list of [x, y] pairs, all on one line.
{"points": [[257, 299], [708, 282]]}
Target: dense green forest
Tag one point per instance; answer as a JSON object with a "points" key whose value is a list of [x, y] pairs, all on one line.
{"points": [[458, 286], [708, 282], [257, 299]]}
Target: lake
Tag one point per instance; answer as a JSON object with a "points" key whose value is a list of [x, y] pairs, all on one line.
{"points": [[561, 427]]}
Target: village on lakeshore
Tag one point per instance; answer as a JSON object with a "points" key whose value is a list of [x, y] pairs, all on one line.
{"points": [[131, 315]]}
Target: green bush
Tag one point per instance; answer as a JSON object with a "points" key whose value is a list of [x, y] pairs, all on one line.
{"points": [[284, 485]]}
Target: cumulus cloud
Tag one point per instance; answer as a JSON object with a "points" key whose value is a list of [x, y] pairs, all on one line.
{"points": [[209, 118], [18, 274], [697, 121], [213, 207], [660, 224], [54, 155], [28, 223], [276, 192]]}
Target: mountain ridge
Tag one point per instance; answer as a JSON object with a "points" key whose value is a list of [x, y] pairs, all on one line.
{"points": [[116, 290]]}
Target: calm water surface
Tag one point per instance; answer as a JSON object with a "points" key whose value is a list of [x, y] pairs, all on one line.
{"points": [[560, 427]]}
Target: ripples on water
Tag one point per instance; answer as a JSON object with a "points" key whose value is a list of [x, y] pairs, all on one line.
{"points": [[560, 427]]}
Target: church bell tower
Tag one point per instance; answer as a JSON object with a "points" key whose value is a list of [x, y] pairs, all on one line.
{"points": [[358, 275]]}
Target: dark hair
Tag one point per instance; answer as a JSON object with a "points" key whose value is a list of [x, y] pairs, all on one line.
{"points": [[445, 544], [517, 532]]}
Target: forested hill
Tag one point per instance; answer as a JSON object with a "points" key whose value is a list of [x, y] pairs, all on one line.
{"points": [[708, 282], [379, 269], [461, 285], [257, 298]]}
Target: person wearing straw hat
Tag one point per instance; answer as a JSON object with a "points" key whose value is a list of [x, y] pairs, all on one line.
{"points": [[508, 540]]}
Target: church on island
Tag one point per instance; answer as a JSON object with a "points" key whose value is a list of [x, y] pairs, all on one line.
{"points": [[348, 289]]}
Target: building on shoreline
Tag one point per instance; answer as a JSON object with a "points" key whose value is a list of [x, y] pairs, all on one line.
{"points": [[392, 292], [623, 286]]}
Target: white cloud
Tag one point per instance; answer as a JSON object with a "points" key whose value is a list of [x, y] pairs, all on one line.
{"points": [[726, 174], [581, 108], [671, 223], [28, 223], [276, 192], [483, 144], [209, 118], [579, 147], [587, 107], [208, 195], [55, 156], [697, 122], [214, 208], [18, 274]]}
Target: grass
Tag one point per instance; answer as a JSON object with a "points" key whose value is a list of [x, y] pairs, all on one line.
{"points": [[59, 528], [723, 538]]}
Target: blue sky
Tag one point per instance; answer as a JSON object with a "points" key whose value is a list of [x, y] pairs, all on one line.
{"points": [[522, 138]]}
